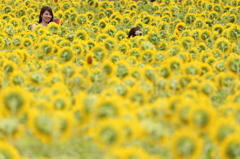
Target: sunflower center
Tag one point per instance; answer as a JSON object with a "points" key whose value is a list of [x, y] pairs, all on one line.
{"points": [[109, 135], [4, 154], [44, 124], [107, 110], [185, 147], [223, 132], [201, 118], [14, 102], [233, 150]]}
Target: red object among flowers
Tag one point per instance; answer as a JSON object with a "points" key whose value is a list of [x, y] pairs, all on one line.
{"points": [[56, 21]]}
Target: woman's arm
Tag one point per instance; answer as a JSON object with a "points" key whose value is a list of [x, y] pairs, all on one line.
{"points": [[32, 28]]}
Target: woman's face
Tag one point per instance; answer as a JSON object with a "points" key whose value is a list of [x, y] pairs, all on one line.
{"points": [[46, 16]]}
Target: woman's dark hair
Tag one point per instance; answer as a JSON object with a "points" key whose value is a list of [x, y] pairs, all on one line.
{"points": [[133, 31], [45, 8]]}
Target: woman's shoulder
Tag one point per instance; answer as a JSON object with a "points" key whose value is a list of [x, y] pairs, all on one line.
{"points": [[33, 25]]}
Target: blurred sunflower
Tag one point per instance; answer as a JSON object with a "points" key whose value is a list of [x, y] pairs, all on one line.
{"points": [[110, 43], [46, 48], [222, 44], [17, 78], [26, 43], [66, 54], [186, 145], [110, 30], [120, 35], [187, 42], [205, 34], [8, 151], [9, 66], [81, 34], [229, 148], [108, 134], [14, 101], [53, 28], [16, 41], [147, 57], [99, 53]]}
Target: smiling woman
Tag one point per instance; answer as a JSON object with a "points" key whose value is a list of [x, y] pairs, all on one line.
{"points": [[45, 17]]}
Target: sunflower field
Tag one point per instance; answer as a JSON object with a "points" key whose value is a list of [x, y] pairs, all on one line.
{"points": [[84, 90]]}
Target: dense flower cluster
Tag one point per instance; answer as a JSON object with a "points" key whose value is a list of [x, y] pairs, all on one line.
{"points": [[172, 93]]}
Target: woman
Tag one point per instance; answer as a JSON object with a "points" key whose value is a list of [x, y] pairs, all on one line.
{"points": [[134, 32], [45, 17]]}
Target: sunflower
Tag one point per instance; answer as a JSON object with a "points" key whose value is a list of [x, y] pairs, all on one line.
{"points": [[226, 80], [233, 64], [229, 148], [186, 145], [205, 35], [9, 29], [101, 37], [81, 34], [26, 43], [8, 151], [147, 57], [41, 124], [10, 128], [202, 117], [184, 80], [66, 54], [134, 52], [110, 43], [82, 19], [108, 134], [115, 56], [199, 23], [187, 42], [222, 129], [122, 69], [190, 18], [60, 103], [233, 33], [9, 66], [99, 53], [138, 95], [102, 23], [222, 44], [106, 108], [53, 28], [120, 35], [17, 78], [77, 81], [15, 22], [36, 78], [78, 49], [110, 30], [63, 124], [192, 69], [68, 70], [201, 47], [46, 48], [16, 41], [30, 35], [216, 53], [132, 60], [154, 38], [40, 30], [123, 46], [14, 101]]}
